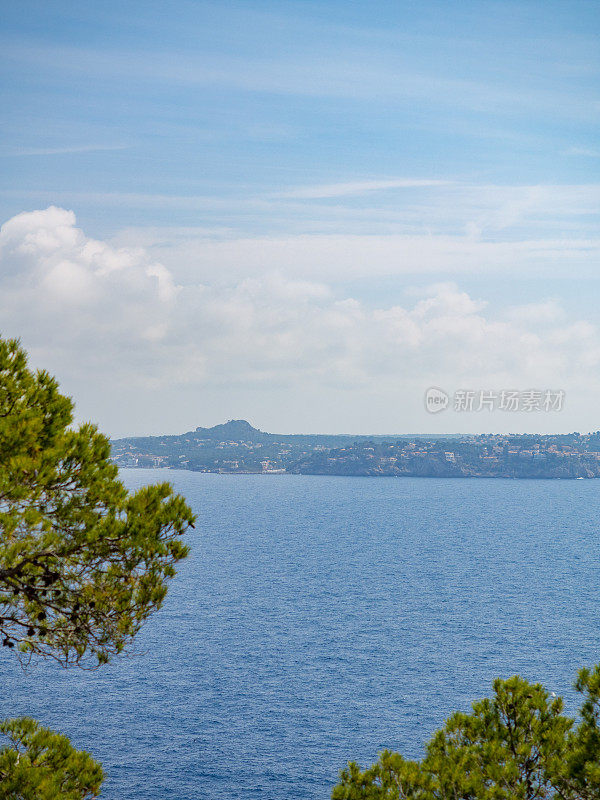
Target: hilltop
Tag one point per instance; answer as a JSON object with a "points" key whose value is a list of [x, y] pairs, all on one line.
{"points": [[234, 429]]}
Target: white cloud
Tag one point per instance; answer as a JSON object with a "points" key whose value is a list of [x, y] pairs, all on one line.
{"points": [[330, 71], [68, 150], [112, 320], [340, 257], [543, 313], [450, 216], [449, 228], [356, 188], [57, 285], [582, 151]]}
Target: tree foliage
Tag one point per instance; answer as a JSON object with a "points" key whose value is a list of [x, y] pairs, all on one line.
{"points": [[82, 561], [517, 745], [39, 764]]}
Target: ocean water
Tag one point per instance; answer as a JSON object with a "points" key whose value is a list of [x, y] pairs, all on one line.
{"points": [[321, 619]]}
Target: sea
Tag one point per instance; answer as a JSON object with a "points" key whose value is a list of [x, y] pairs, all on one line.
{"points": [[323, 619]]}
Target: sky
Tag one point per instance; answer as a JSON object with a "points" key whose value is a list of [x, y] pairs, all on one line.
{"points": [[304, 214]]}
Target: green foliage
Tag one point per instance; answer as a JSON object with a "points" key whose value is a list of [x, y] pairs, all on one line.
{"points": [[518, 745], [581, 773], [82, 561], [42, 765], [391, 778]]}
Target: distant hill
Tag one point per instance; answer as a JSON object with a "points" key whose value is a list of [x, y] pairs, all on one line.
{"points": [[238, 447], [240, 430], [233, 446], [235, 430]]}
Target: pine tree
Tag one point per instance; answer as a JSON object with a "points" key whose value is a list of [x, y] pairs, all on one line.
{"points": [[83, 562], [39, 764], [516, 745]]}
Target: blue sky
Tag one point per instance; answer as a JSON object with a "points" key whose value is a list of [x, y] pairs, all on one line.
{"points": [[374, 149], [223, 100]]}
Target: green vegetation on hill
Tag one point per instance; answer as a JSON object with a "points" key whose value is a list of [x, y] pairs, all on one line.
{"points": [[237, 447]]}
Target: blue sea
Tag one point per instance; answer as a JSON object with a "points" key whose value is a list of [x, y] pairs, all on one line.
{"points": [[322, 619]]}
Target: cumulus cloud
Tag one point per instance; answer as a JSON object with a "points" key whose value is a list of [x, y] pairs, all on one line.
{"points": [[60, 286], [108, 316]]}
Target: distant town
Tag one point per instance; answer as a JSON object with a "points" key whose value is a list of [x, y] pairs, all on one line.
{"points": [[238, 448]]}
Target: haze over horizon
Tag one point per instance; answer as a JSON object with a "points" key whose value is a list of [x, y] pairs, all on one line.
{"points": [[303, 214], [224, 425]]}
